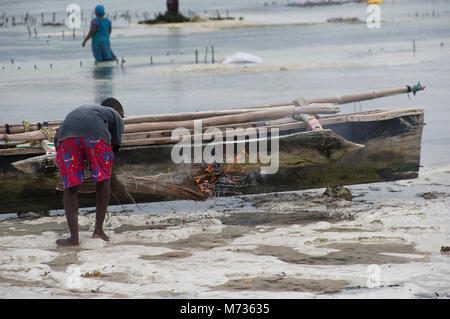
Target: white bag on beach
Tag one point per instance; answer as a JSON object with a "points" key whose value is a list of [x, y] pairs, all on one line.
{"points": [[242, 57]]}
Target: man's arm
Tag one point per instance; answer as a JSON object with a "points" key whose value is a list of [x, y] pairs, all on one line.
{"points": [[115, 148], [116, 130], [117, 187]]}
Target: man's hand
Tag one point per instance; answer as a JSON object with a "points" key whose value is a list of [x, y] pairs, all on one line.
{"points": [[117, 187]]}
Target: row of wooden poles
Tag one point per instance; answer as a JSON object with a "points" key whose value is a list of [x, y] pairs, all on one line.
{"points": [[157, 129], [32, 20], [122, 60], [63, 34]]}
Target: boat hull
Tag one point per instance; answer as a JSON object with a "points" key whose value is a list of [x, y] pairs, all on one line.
{"points": [[391, 152]]}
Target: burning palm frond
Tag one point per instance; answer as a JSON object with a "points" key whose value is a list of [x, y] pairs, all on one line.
{"points": [[218, 179], [151, 185]]}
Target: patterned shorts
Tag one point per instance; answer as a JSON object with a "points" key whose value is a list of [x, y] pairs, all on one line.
{"points": [[72, 152]]}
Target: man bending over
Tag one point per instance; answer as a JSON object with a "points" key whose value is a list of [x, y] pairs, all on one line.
{"points": [[91, 132]]}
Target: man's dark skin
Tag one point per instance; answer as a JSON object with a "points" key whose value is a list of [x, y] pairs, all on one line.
{"points": [[103, 193]]}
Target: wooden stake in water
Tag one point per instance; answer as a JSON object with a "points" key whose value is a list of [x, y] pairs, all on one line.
{"points": [[212, 54], [196, 56], [151, 60], [414, 45], [73, 33], [206, 54]]}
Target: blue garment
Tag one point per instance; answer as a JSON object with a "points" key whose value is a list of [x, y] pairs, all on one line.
{"points": [[100, 10], [101, 47]]}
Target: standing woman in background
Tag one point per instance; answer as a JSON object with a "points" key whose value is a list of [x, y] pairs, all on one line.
{"points": [[100, 32]]}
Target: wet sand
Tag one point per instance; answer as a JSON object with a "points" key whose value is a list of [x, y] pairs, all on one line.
{"points": [[297, 245]]}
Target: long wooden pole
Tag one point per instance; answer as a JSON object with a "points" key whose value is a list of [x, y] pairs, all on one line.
{"points": [[164, 137], [20, 128], [291, 124], [181, 116], [167, 133], [282, 127], [364, 96], [275, 113], [30, 136], [350, 98]]}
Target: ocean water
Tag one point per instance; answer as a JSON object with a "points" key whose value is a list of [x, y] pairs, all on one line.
{"points": [[45, 76]]}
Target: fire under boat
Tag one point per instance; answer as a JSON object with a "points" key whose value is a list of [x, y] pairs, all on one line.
{"points": [[275, 148]]}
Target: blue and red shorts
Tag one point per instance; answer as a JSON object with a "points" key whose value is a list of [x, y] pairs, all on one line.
{"points": [[72, 152]]}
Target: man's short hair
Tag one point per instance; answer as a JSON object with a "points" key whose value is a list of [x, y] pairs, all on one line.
{"points": [[115, 104]]}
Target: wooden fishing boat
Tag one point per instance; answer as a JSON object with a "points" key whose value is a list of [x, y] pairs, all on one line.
{"points": [[354, 148]]}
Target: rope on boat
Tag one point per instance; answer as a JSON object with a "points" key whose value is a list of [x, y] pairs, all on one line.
{"points": [[41, 125], [26, 126], [46, 131], [415, 88]]}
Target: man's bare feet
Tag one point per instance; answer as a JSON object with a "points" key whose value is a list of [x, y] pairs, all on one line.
{"points": [[67, 242], [100, 234]]}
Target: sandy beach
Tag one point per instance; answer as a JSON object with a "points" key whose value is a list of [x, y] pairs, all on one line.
{"points": [[296, 245]]}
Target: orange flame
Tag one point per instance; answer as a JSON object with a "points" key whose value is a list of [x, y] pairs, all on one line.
{"points": [[206, 179]]}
